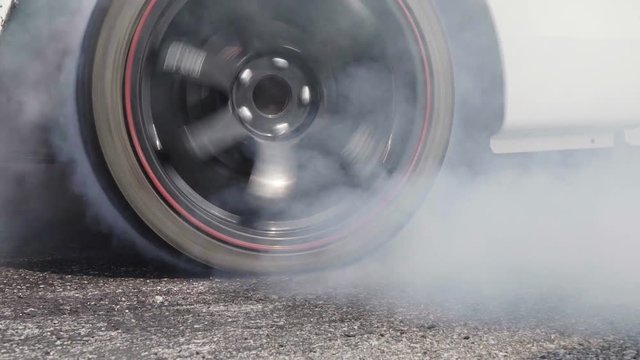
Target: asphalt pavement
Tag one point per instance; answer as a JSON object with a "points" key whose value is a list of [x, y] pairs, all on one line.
{"points": [[121, 307]]}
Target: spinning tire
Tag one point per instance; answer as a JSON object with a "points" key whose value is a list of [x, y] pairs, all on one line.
{"points": [[312, 158]]}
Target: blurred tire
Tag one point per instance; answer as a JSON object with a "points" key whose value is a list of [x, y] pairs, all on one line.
{"points": [[108, 141]]}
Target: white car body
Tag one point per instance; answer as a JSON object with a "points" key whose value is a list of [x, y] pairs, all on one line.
{"points": [[5, 8], [571, 70], [572, 73]]}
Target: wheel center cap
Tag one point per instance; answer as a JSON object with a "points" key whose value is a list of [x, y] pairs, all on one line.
{"points": [[275, 97], [272, 95]]}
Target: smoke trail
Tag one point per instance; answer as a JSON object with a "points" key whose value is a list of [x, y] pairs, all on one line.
{"points": [[553, 229], [554, 237], [34, 47], [546, 237], [48, 192], [552, 242]]}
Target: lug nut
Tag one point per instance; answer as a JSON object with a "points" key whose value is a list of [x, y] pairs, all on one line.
{"points": [[246, 76], [245, 114], [280, 63], [305, 95]]}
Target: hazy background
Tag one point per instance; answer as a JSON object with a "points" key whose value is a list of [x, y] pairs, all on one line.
{"points": [[39, 213], [530, 237]]}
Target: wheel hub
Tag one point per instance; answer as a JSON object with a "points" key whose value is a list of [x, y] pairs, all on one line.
{"points": [[272, 95], [275, 97]]}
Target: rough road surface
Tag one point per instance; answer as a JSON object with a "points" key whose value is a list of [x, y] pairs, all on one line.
{"points": [[69, 308]]}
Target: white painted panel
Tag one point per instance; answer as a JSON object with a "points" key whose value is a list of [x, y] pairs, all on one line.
{"points": [[570, 66], [5, 6]]}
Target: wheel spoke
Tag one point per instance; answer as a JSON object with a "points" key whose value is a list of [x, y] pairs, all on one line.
{"points": [[215, 134], [274, 172], [215, 65], [354, 147]]}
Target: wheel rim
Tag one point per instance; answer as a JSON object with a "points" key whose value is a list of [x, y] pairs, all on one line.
{"points": [[266, 87]]}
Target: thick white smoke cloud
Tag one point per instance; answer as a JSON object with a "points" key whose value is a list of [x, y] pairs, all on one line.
{"points": [[48, 192], [36, 43], [551, 235]]}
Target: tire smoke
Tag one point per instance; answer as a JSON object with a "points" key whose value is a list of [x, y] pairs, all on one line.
{"points": [[553, 240], [48, 190], [548, 239], [534, 237], [35, 45]]}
